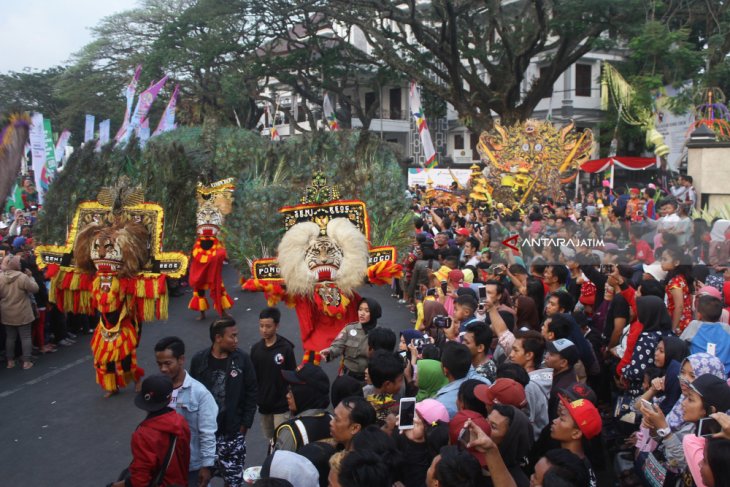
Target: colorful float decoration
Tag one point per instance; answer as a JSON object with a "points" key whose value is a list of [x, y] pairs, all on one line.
{"points": [[323, 257], [113, 266], [215, 201], [532, 157]]}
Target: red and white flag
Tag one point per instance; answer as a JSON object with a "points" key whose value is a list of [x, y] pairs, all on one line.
{"points": [[429, 152]]}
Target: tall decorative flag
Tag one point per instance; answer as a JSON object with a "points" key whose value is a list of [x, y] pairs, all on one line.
{"points": [[37, 138], [61, 144], [329, 114], [143, 106], [89, 128], [167, 122], [272, 131], [103, 134], [129, 94], [429, 152], [144, 132]]}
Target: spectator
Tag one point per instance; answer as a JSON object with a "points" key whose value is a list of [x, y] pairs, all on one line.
{"points": [[386, 374], [577, 420], [456, 361], [292, 467], [454, 468], [270, 356], [562, 355], [351, 415], [308, 399], [562, 468], [162, 434], [363, 468], [227, 372], [707, 334], [195, 403], [16, 311]]}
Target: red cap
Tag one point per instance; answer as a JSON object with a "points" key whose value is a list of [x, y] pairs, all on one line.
{"points": [[585, 415], [463, 231], [457, 424], [504, 391]]}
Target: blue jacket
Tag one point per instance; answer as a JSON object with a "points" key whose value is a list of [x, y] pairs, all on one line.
{"points": [[447, 394], [197, 405]]}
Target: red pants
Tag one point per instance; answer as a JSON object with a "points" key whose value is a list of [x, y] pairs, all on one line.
{"points": [[38, 330]]}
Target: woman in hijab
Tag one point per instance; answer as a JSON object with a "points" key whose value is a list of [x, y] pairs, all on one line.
{"points": [[527, 314], [512, 432], [432, 309], [429, 379], [652, 323], [352, 341], [692, 367]]}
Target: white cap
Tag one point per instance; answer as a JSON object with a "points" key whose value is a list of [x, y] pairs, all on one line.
{"points": [[655, 270]]}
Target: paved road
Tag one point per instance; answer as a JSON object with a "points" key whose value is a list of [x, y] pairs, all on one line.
{"points": [[56, 429]]}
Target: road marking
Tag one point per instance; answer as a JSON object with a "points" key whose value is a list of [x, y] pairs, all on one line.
{"points": [[45, 376]]}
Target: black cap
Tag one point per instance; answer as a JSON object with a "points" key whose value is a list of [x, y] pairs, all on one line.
{"points": [[155, 393], [310, 375], [714, 391], [565, 348], [579, 390]]}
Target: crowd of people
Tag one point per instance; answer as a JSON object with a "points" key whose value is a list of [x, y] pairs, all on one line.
{"points": [[577, 342]]}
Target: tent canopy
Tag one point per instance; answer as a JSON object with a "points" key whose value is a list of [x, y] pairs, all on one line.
{"points": [[624, 162]]}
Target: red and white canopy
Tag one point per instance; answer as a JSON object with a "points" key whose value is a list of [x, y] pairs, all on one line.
{"points": [[624, 162]]}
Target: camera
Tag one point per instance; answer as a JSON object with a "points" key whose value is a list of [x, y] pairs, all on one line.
{"points": [[442, 321], [418, 343]]}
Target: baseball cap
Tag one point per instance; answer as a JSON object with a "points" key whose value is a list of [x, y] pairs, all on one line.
{"points": [[455, 276], [463, 231], [585, 415], [714, 391], [308, 374], [565, 348], [3, 225], [503, 391], [578, 390], [430, 411], [18, 242], [655, 270], [457, 424], [155, 393], [710, 291]]}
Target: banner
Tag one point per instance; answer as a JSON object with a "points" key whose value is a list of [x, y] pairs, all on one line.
{"points": [[37, 138], [144, 102], [429, 152], [103, 134], [60, 149], [329, 114], [129, 95], [440, 177], [89, 128], [167, 121], [49, 168], [144, 132]]}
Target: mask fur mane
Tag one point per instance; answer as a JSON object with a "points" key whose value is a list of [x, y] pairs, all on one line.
{"points": [[294, 244]]}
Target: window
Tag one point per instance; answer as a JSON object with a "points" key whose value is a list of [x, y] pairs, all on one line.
{"points": [[582, 80], [543, 73], [370, 99], [458, 142], [395, 104]]}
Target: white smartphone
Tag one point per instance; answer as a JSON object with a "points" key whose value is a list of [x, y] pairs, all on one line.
{"points": [[406, 413], [708, 427]]}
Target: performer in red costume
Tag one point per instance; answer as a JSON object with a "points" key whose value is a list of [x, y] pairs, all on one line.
{"points": [[322, 258]]}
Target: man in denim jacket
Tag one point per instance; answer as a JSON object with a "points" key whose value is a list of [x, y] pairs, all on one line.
{"points": [[195, 403]]}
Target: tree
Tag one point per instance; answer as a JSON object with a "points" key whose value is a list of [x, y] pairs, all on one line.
{"points": [[33, 91]]}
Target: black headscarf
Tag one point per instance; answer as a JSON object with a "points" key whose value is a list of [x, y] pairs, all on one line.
{"points": [[652, 313], [674, 349], [375, 313]]}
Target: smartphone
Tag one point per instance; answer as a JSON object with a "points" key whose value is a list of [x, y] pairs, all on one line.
{"points": [[431, 292], [482, 294], [647, 404], [444, 286], [708, 427], [464, 437], [406, 413], [418, 296], [442, 321]]}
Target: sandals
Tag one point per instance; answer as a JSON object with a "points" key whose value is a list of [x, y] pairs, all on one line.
{"points": [[27, 365], [11, 364]]}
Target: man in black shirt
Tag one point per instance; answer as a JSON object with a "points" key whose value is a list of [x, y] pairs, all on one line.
{"points": [[228, 373]]}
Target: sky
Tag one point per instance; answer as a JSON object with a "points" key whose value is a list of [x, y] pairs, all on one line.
{"points": [[39, 34]]}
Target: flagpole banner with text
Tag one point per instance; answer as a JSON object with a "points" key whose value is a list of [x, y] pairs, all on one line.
{"points": [[167, 121], [49, 168], [89, 128], [429, 153], [129, 95], [37, 138], [104, 132], [144, 102], [440, 176], [61, 144]]}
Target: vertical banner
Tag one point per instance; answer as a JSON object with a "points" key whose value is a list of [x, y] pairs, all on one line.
{"points": [[49, 168], [60, 149], [167, 121], [38, 150], [417, 111], [144, 102], [129, 95], [144, 132], [329, 114], [89, 128], [103, 134]]}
